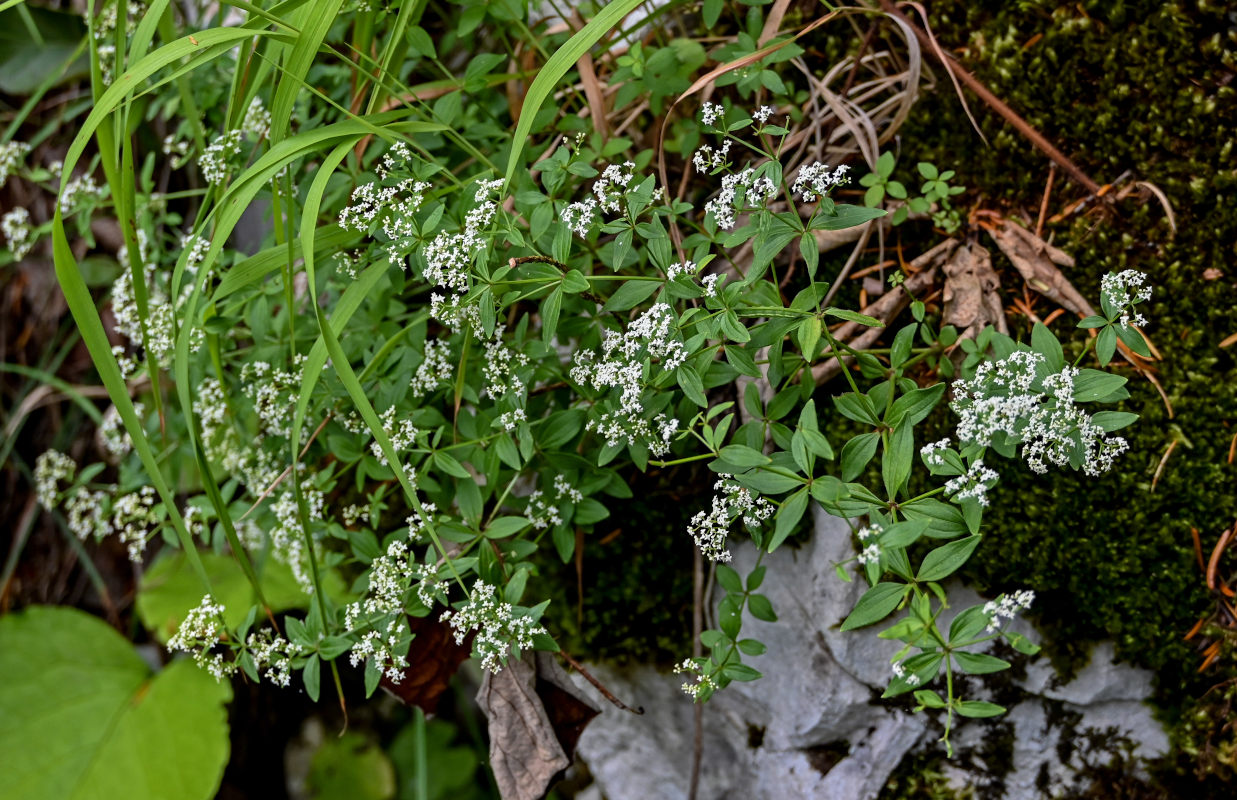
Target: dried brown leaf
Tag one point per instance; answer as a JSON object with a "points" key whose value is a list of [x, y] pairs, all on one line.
{"points": [[536, 716]]}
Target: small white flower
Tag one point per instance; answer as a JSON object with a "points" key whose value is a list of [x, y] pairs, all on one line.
{"points": [[711, 112], [815, 180]]}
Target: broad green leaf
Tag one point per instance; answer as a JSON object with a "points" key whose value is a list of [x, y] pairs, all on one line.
{"points": [[350, 767], [857, 453], [169, 589], [846, 216], [503, 527], [946, 559], [876, 604], [1092, 385], [761, 608], [83, 717], [788, 517], [979, 709], [855, 316], [631, 294], [979, 663], [743, 456]]}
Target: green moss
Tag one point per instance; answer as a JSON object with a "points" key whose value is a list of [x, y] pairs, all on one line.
{"points": [[1142, 87], [637, 575]]}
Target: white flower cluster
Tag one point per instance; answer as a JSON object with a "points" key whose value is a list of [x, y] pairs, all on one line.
{"points": [[274, 654], [78, 191], [871, 552], [756, 192], [703, 681], [899, 671], [731, 501], [159, 335], [273, 392], [609, 192], [1002, 398], [134, 518], [216, 161], [1124, 290], [815, 180], [708, 158], [105, 36], [198, 634], [499, 367], [711, 113], [932, 453], [763, 113], [112, 434], [50, 469], [402, 433], [415, 523], [85, 508], [974, 484], [545, 515], [388, 583], [689, 269], [354, 513], [448, 256], [510, 419], [434, 370], [624, 360], [177, 148], [12, 154], [497, 627], [1007, 607], [395, 205], [288, 536], [382, 608], [17, 229]]}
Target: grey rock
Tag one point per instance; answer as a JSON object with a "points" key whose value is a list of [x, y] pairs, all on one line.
{"points": [[814, 725]]}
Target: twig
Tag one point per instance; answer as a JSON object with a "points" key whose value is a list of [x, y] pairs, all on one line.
{"points": [[1043, 204], [606, 693], [1163, 460]]}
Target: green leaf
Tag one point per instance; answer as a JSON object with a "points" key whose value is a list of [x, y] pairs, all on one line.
{"points": [[551, 307], [751, 647], [84, 717], [855, 316], [788, 517], [1110, 421], [741, 672], [967, 625], [503, 527], [1045, 343], [448, 464], [351, 767], [929, 698], [857, 453], [846, 216], [946, 559], [914, 406], [876, 604], [1134, 340], [1106, 345], [1092, 385], [729, 579], [978, 663], [312, 675], [809, 336], [761, 608], [927, 170], [743, 456], [979, 709], [691, 384]]}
